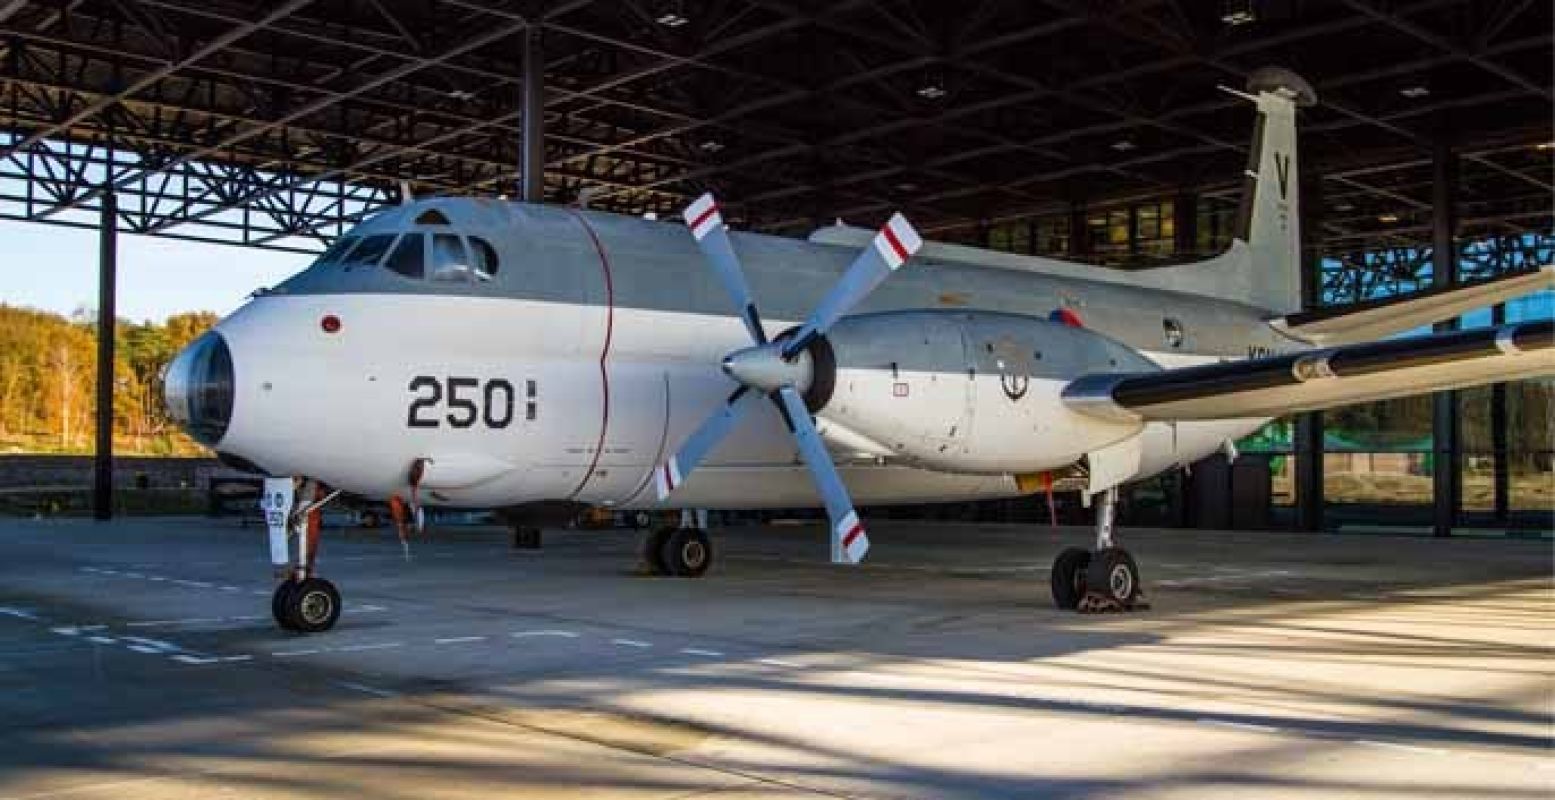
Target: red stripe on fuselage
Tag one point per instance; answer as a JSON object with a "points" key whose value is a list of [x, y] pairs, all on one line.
{"points": [[604, 352]]}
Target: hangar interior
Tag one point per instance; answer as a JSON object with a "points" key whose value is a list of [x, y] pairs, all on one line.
{"points": [[1090, 130]]}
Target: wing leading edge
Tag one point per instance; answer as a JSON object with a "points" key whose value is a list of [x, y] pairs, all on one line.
{"points": [[1323, 378], [1376, 319]]}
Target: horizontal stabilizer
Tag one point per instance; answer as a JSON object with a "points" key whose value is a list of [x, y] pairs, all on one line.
{"points": [[1317, 379], [1377, 319]]}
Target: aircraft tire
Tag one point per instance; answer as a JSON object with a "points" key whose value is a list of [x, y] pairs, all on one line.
{"points": [[1069, 577], [1113, 574], [653, 550], [526, 538], [280, 602], [687, 553], [314, 606]]}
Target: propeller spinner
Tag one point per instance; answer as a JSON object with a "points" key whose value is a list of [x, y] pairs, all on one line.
{"points": [[774, 369]]}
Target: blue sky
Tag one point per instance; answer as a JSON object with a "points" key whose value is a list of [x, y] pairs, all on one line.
{"points": [[54, 268]]}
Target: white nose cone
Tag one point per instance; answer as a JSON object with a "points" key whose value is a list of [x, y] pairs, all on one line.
{"points": [[763, 368]]}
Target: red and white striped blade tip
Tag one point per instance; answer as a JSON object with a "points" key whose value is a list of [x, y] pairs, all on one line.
{"points": [[702, 216], [897, 241], [667, 477], [854, 541]]}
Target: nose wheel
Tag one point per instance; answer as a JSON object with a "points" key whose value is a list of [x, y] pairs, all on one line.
{"points": [[311, 605]]}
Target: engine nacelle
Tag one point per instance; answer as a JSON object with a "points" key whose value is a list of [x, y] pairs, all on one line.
{"points": [[959, 391]]}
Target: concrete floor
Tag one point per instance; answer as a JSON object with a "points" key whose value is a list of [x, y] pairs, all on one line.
{"points": [[137, 660]]}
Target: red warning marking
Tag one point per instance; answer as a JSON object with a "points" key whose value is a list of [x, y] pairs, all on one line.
{"points": [[853, 533], [712, 209], [1067, 316], [895, 243]]}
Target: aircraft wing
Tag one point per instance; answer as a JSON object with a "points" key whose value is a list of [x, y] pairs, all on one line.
{"points": [[1323, 378], [1386, 316]]}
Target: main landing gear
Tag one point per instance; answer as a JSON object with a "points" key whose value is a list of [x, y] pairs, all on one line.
{"points": [[303, 602], [1103, 579], [684, 551]]}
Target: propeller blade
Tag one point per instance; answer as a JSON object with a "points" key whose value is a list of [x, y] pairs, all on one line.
{"points": [[712, 238], [849, 543], [892, 246], [672, 473]]}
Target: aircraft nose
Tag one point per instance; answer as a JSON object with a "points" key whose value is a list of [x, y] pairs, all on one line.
{"points": [[198, 388]]}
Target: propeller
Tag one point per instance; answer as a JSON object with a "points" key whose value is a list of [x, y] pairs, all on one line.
{"points": [[775, 369]]}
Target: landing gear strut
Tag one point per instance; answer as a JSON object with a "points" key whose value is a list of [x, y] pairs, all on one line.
{"points": [[685, 551], [1103, 579], [303, 602]]}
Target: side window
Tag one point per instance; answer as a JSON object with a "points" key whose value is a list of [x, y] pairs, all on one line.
{"points": [[407, 258], [1172, 330], [449, 261], [370, 250], [485, 258], [336, 250]]}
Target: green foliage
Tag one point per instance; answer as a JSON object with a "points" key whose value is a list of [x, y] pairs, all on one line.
{"points": [[48, 369]]}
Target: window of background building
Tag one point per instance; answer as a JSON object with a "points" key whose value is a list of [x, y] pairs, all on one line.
{"points": [[1157, 229], [1215, 223], [1530, 425], [1011, 237], [1053, 235]]}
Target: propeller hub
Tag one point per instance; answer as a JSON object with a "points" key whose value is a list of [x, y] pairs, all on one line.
{"points": [[764, 368]]}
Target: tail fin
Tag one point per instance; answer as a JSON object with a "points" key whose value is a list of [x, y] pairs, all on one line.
{"points": [[1269, 219]]}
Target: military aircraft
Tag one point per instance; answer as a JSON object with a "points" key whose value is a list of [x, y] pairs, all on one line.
{"points": [[490, 354]]}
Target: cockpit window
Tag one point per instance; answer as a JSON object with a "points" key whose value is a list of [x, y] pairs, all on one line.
{"points": [[370, 250], [407, 258], [337, 250], [432, 217], [449, 260], [485, 257]]}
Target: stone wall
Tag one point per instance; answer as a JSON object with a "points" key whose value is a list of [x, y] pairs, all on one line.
{"points": [[75, 472]]}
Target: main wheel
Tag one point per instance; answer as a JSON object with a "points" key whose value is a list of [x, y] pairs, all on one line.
{"points": [[314, 606], [1112, 573], [280, 603], [1069, 577], [526, 538], [654, 542], [687, 552]]}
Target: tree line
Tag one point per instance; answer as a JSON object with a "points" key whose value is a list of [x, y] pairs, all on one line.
{"points": [[48, 374]]}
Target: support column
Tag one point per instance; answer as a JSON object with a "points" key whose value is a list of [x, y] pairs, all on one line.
{"points": [[1079, 233], [1446, 451], [1308, 444], [1185, 225], [1308, 428], [1501, 452], [532, 131], [107, 294]]}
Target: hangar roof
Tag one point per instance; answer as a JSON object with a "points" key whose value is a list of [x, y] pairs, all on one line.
{"points": [[276, 123]]}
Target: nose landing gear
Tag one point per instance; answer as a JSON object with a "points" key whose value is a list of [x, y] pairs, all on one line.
{"points": [[302, 602], [1099, 580]]}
